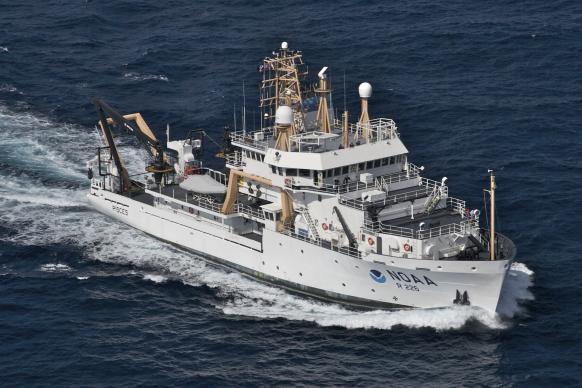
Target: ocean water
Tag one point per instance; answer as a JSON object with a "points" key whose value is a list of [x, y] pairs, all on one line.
{"points": [[86, 301]]}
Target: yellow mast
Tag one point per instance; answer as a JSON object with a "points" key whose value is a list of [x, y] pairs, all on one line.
{"points": [[492, 227]]}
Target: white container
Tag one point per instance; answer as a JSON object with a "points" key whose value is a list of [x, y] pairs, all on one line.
{"points": [[366, 178], [373, 196]]}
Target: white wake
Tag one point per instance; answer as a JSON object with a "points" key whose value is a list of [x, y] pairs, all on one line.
{"points": [[41, 213]]}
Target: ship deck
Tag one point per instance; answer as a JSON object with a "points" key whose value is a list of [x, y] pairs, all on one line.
{"points": [[437, 218]]}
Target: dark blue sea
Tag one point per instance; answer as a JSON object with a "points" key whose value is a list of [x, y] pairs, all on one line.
{"points": [[86, 301]]}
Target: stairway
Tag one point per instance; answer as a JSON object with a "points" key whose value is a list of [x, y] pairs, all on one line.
{"points": [[312, 226], [433, 200], [381, 184]]}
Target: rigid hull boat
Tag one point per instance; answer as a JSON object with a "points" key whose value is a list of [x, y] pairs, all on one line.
{"points": [[309, 202]]}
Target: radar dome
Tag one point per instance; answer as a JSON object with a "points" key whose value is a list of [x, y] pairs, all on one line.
{"points": [[365, 90], [284, 115], [284, 45]]}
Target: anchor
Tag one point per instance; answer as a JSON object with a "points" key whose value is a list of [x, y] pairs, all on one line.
{"points": [[463, 299]]}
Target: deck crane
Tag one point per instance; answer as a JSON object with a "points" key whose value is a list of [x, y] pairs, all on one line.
{"points": [[135, 124]]}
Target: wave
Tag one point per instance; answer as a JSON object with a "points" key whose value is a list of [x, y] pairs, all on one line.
{"points": [[132, 76], [40, 214], [3, 49], [9, 89], [155, 278]]}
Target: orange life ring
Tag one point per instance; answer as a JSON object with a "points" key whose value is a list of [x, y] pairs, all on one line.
{"points": [[407, 247], [370, 241], [324, 226]]}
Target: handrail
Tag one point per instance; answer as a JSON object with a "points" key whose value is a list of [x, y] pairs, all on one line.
{"points": [[505, 247], [235, 159], [379, 227], [352, 186], [428, 185], [247, 139], [379, 128], [353, 252]]}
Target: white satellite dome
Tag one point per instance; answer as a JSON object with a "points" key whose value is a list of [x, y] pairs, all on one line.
{"points": [[284, 115], [284, 45], [365, 90]]}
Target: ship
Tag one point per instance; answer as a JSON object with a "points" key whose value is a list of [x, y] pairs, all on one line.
{"points": [[309, 201]]}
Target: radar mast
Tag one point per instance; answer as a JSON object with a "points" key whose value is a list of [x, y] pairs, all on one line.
{"points": [[283, 74]]}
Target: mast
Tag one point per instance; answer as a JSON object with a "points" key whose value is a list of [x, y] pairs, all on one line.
{"points": [[283, 74], [345, 133], [322, 111], [244, 111], [365, 91], [492, 227]]}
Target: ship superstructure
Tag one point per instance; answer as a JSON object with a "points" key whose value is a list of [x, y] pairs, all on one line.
{"points": [[311, 202]]}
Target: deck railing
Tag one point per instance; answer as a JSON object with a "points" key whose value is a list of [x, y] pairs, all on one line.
{"points": [[258, 140], [235, 159], [287, 230], [378, 129], [378, 227], [426, 187], [401, 176]]}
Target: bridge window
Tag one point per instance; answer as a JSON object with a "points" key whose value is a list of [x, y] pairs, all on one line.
{"points": [[376, 163], [305, 173], [362, 166], [273, 169], [385, 161], [370, 164], [337, 171], [345, 169], [291, 172]]}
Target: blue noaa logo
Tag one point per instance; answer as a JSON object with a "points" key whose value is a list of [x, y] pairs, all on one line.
{"points": [[377, 276]]}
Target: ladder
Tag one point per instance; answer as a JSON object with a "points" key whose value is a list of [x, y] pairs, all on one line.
{"points": [[381, 184], [433, 199], [312, 226]]}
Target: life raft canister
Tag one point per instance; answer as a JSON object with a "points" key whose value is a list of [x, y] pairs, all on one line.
{"points": [[407, 247], [370, 241], [324, 226], [190, 171]]}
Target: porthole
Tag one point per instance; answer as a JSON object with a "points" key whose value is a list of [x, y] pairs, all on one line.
{"points": [[277, 268], [302, 251], [373, 290], [280, 244], [357, 266], [300, 274], [343, 284], [440, 267], [263, 263], [335, 261], [473, 268]]}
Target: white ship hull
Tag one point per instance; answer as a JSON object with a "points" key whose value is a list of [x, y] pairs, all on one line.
{"points": [[371, 281]]}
